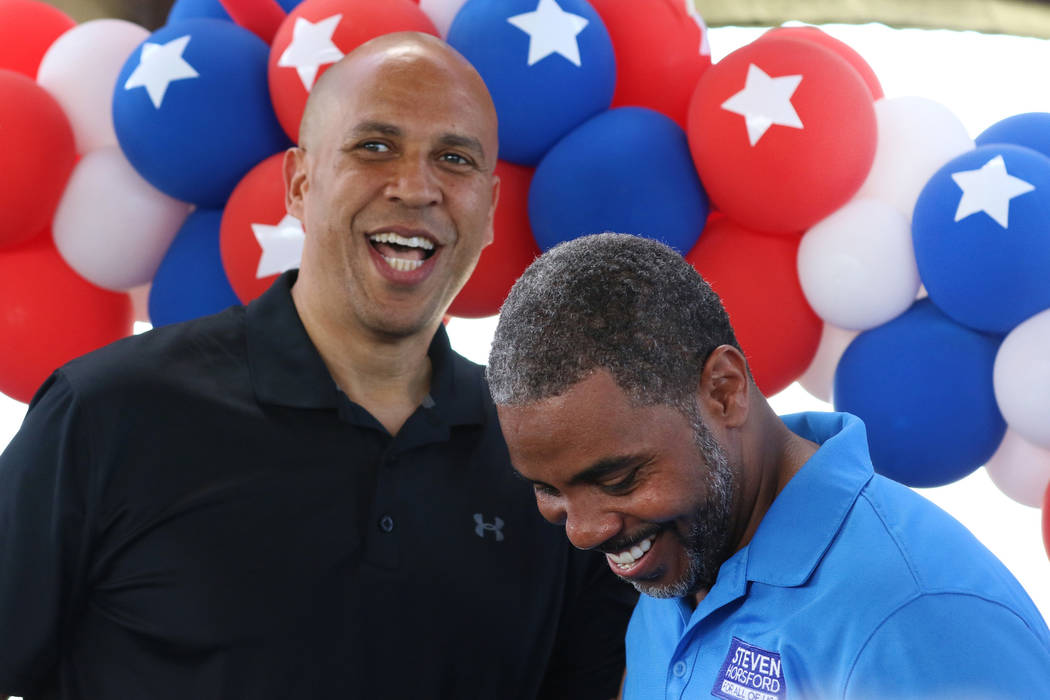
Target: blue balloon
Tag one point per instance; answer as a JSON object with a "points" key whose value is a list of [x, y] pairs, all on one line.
{"points": [[627, 170], [922, 384], [190, 281], [981, 237], [549, 65], [192, 109], [1031, 130], [196, 9]]}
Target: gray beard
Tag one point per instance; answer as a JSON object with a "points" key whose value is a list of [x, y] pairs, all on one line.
{"points": [[707, 542]]}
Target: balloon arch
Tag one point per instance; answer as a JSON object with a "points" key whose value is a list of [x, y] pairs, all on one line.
{"points": [[866, 246]]}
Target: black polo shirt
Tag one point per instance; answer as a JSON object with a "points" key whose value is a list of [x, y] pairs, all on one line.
{"points": [[198, 512]]}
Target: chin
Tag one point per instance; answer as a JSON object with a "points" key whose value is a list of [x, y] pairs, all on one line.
{"points": [[397, 331]]}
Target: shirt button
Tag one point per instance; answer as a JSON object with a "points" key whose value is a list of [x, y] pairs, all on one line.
{"points": [[679, 669], [386, 523]]}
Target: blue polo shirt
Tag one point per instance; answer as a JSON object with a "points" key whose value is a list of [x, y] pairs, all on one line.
{"points": [[853, 586]]}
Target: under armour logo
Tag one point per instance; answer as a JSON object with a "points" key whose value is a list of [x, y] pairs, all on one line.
{"points": [[482, 527]]}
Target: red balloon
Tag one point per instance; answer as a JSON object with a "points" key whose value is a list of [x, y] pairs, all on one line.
{"points": [[756, 276], [50, 315], [27, 30], [255, 207], [661, 52], [512, 250], [37, 154], [843, 49], [261, 17], [294, 68], [782, 132]]}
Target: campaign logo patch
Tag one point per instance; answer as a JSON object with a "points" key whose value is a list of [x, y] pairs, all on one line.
{"points": [[750, 673]]}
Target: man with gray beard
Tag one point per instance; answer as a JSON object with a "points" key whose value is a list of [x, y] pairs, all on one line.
{"points": [[774, 563]]}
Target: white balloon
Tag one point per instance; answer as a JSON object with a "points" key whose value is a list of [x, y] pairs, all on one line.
{"points": [[1020, 469], [916, 136], [112, 226], [819, 377], [857, 266], [140, 302], [80, 70], [441, 13], [1022, 379]]}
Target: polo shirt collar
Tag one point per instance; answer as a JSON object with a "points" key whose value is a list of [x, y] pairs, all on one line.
{"points": [[806, 516], [287, 370]]}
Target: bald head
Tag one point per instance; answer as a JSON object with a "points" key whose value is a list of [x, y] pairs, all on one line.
{"points": [[411, 57]]}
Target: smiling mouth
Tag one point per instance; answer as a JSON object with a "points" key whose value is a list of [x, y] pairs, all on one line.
{"points": [[629, 557], [402, 253]]}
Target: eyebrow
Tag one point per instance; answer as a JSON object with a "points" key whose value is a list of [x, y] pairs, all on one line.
{"points": [[609, 465], [373, 127], [597, 471], [453, 140]]}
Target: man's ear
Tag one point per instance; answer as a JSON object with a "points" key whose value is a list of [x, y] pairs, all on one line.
{"points": [[295, 182], [490, 233], [724, 390]]}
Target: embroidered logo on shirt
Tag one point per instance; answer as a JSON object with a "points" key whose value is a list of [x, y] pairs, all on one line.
{"points": [[750, 673], [481, 527]]}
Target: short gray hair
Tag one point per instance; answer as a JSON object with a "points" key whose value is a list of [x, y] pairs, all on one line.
{"points": [[629, 305]]}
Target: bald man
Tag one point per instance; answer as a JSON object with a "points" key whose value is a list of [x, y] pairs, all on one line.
{"points": [[308, 497]]}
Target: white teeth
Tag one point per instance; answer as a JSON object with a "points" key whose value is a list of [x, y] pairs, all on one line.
{"points": [[629, 556], [403, 265], [413, 242]]}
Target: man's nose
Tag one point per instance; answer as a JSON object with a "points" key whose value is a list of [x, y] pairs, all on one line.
{"points": [[414, 183], [588, 524]]}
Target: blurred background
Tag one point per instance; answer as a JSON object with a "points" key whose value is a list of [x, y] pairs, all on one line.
{"points": [[1019, 17]]}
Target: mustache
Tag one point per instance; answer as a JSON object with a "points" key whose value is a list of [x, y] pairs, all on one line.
{"points": [[619, 544]]}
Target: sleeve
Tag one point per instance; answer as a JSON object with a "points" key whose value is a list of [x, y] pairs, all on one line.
{"points": [[953, 645], [41, 535], [588, 659]]}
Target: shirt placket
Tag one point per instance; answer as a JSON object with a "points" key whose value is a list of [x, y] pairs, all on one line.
{"points": [[696, 649]]}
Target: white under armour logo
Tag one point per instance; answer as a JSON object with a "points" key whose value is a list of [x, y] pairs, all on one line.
{"points": [[482, 527]]}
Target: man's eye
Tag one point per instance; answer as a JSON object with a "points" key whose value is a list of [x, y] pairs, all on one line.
{"points": [[455, 159], [623, 485], [545, 490], [375, 147]]}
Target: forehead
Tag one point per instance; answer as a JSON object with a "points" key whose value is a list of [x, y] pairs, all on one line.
{"points": [[553, 439], [424, 92]]}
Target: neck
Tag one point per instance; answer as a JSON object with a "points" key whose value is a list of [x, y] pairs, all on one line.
{"points": [[387, 375], [770, 456], [777, 454]]}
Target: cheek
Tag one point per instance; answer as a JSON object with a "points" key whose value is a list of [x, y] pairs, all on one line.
{"points": [[664, 504], [473, 209]]}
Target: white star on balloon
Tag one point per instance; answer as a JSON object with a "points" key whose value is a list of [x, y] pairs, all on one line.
{"points": [[765, 101], [989, 189], [311, 48], [705, 45], [159, 66], [551, 30], [282, 246]]}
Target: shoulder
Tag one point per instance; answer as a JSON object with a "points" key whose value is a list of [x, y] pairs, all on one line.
{"points": [[939, 607], [939, 553], [182, 354], [952, 644]]}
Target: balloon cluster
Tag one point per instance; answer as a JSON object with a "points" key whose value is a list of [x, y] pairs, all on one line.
{"points": [[865, 246]]}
